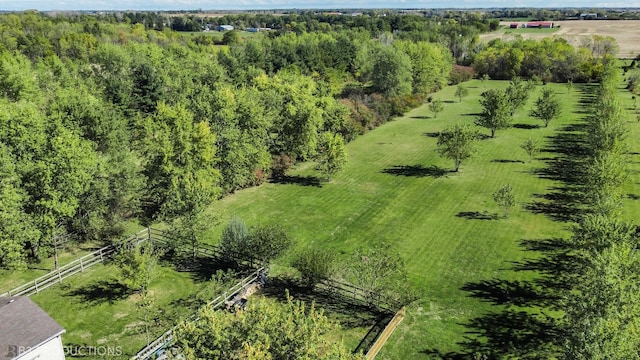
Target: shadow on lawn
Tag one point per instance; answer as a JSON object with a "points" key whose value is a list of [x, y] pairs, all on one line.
{"points": [[507, 161], [101, 291], [297, 180], [520, 324], [476, 215], [349, 312], [525, 126], [416, 171]]}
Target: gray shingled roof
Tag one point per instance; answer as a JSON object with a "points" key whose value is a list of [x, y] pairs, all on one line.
{"points": [[23, 323]]}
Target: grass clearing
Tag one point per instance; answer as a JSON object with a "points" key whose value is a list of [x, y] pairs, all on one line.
{"points": [[396, 189], [96, 310], [545, 31]]}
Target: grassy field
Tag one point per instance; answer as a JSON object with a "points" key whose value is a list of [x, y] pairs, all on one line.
{"points": [[507, 31], [95, 310], [396, 189]]}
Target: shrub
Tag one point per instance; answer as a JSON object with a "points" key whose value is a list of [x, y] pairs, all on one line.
{"points": [[460, 74], [280, 164], [315, 265]]}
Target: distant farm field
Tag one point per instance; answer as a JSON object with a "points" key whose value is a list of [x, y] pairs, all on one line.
{"points": [[626, 33]]}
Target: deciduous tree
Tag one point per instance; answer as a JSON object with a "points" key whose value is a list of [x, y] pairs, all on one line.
{"points": [[332, 154], [436, 106], [505, 198], [457, 143], [547, 107], [264, 330], [496, 111], [461, 92], [532, 148]]}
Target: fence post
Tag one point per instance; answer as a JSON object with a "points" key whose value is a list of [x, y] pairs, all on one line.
{"points": [[81, 265], [149, 233], [59, 277], [36, 285]]}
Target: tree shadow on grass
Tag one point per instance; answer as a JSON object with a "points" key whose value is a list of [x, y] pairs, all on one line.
{"points": [[416, 171], [521, 323], [507, 161], [101, 291], [297, 180], [420, 117], [526, 126], [432, 134], [562, 204], [350, 312], [476, 215]]}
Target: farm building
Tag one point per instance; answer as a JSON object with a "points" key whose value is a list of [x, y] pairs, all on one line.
{"points": [[588, 16], [225, 28], [539, 25], [514, 25], [27, 332]]}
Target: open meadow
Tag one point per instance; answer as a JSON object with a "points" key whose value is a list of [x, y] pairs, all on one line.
{"points": [[626, 33], [397, 190]]}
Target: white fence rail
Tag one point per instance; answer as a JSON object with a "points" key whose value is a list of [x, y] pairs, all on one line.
{"points": [[153, 348], [74, 267]]}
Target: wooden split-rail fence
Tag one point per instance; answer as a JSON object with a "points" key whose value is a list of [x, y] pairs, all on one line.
{"points": [[78, 265], [156, 348]]}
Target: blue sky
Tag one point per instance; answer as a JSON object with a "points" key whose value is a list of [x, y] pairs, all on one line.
{"points": [[288, 4]]}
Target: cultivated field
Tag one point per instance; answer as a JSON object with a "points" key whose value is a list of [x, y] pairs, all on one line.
{"points": [[626, 32]]}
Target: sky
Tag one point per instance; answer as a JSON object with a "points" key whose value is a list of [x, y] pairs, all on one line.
{"points": [[45, 5]]}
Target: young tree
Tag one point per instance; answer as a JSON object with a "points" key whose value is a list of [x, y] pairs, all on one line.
{"points": [[235, 239], [266, 329], [315, 265], [532, 148], [504, 198], [518, 93], [186, 230], [484, 79], [436, 106], [137, 266], [461, 92], [457, 143], [495, 111], [547, 107], [332, 154]]}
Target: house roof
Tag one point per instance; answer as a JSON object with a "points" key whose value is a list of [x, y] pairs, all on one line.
{"points": [[23, 323]]}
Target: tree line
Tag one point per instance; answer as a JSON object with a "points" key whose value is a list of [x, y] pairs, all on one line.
{"points": [[103, 122], [546, 60]]}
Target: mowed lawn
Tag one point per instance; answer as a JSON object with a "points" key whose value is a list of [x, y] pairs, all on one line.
{"points": [[96, 311], [396, 189]]}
